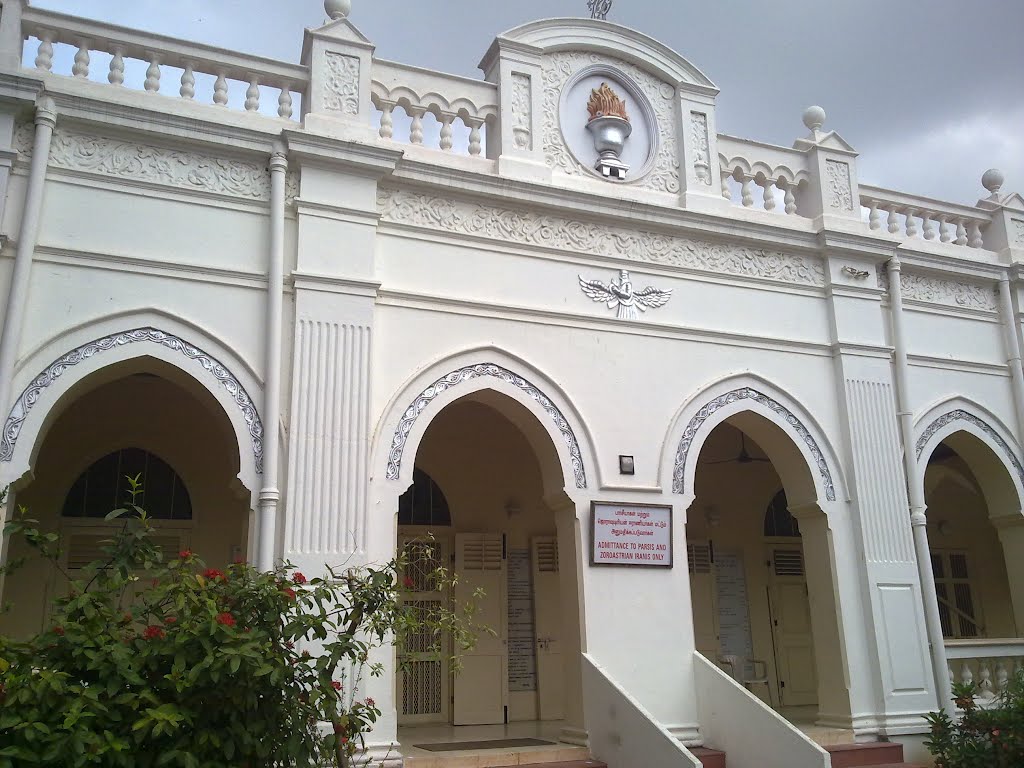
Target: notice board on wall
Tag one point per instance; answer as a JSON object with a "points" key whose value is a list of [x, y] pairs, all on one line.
{"points": [[522, 659], [631, 534]]}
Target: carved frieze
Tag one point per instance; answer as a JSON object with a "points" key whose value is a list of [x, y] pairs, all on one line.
{"points": [[560, 67], [342, 84], [522, 111], [934, 290], [528, 228], [1018, 233], [840, 188]]}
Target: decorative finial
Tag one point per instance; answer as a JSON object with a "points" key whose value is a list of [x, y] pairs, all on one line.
{"points": [[337, 9], [599, 8], [604, 102], [814, 118], [992, 180]]}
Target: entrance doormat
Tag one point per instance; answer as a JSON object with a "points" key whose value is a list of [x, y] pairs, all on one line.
{"points": [[454, 746]]}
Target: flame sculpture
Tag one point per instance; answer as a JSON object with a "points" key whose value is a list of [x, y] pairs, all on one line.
{"points": [[605, 103]]}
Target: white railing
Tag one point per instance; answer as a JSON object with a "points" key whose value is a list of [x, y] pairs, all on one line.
{"points": [[449, 99], [621, 732], [988, 664], [777, 171], [750, 732], [912, 217], [199, 64]]}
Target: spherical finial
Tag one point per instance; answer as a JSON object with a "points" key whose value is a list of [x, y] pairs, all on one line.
{"points": [[338, 9], [992, 180], [814, 118]]}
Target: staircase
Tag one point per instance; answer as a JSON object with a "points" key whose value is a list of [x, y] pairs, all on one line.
{"points": [[878, 754], [709, 758]]}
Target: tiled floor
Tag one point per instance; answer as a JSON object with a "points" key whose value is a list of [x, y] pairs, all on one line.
{"points": [[485, 758], [803, 719]]}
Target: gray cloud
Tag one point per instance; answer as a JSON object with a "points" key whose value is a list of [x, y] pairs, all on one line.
{"points": [[931, 92]]}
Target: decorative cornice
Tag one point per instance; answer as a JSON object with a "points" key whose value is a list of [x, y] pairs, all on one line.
{"points": [[528, 228], [935, 290], [30, 395], [736, 395], [970, 418], [468, 373]]}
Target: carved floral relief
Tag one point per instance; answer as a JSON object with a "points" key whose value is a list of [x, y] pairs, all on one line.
{"points": [[840, 188], [699, 140], [342, 84], [934, 290], [521, 111]]}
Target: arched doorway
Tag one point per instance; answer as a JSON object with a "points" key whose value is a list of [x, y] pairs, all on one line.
{"points": [[479, 493], [139, 417]]}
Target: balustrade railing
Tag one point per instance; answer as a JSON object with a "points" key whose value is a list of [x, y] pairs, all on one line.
{"points": [[988, 664], [911, 217], [229, 72], [777, 171], [450, 99]]}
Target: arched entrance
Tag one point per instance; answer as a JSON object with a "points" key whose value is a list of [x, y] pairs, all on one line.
{"points": [[142, 417], [480, 492]]}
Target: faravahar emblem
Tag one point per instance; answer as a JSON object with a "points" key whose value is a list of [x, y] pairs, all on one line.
{"points": [[619, 293]]}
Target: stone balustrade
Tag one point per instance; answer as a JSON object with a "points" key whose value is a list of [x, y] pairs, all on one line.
{"points": [[987, 663], [450, 99], [911, 217], [230, 73], [777, 171]]}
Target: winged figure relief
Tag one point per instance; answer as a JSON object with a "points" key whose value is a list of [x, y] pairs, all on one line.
{"points": [[619, 293]]}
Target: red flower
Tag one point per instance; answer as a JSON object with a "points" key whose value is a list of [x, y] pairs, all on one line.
{"points": [[213, 573], [185, 554], [289, 644], [58, 631], [239, 560], [170, 620], [370, 702], [290, 592], [226, 619], [153, 632], [408, 583], [335, 685], [298, 578], [344, 739]]}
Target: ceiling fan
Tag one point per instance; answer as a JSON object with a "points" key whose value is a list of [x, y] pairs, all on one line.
{"points": [[743, 457]]}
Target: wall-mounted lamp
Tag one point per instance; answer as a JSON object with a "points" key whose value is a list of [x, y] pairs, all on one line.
{"points": [[626, 466]]}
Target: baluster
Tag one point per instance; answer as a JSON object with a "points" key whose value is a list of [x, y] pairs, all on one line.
{"points": [[152, 83], [790, 200], [975, 240], [387, 120], [220, 91], [81, 67], [746, 193], [726, 189], [252, 96], [768, 196], [44, 55], [188, 83], [944, 234], [1002, 676], [911, 223], [874, 218], [961, 233], [985, 684], [284, 102], [929, 225], [416, 129], [892, 222], [446, 132], [116, 74], [475, 140]]}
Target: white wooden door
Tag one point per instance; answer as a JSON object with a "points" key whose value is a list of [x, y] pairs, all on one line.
{"points": [[481, 687], [791, 627], [423, 692], [547, 610], [702, 598]]}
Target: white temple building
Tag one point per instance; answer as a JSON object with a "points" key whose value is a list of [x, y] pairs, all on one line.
{"points": [[732, 441]]}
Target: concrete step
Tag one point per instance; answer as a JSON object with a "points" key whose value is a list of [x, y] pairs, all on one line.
{"points": [[709, 758], [555, 756], [567, 764], [874, 753]]}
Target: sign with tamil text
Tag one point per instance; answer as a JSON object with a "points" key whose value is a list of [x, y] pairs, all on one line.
{"points": [[631, 534]]}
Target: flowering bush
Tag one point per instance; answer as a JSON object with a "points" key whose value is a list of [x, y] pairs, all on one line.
{"points": [[152, 663], [992, 737]]}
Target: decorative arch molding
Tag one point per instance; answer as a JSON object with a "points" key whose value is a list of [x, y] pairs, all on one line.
{"points": [[180, 348], [466, 374], [790, 421], [959, 416]]}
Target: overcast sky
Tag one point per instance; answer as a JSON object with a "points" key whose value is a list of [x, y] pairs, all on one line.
{"points": [[930, 92]]}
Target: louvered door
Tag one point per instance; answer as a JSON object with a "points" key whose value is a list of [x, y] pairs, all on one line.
{"points": [[481, 688], [547, 609], [702, 598], [791, 626]]}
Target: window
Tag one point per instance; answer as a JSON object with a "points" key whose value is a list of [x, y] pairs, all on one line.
{"points": [[957, 612], [104, 487], [424, 503], [777, 519]]}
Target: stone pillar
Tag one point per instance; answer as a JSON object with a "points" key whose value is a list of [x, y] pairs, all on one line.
{"points": [[571, 560], [832, 198], [1005, 235], [700, 186]]}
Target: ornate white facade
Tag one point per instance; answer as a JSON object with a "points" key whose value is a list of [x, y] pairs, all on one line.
{"points": [[350, 262]]}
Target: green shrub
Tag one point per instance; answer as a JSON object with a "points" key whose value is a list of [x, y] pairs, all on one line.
{"points": [[153, 663], [991, 737]]}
